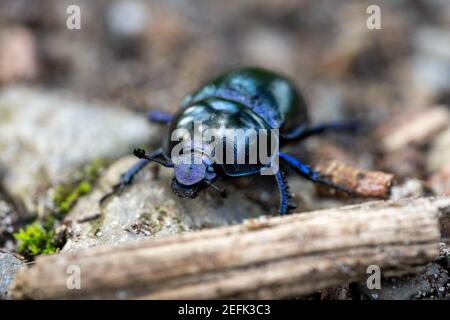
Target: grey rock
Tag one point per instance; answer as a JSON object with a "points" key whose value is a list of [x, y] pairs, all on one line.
{"points": [[8, 219], [424, 285], [44, 136], [127, 18], [149, 209], [409, 188], [9, 265], [444, 256]]}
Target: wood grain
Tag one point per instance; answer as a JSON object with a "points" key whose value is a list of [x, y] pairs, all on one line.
{"points": [[262, 258]]}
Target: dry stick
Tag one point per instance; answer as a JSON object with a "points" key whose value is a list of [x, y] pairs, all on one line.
{"points": [[263, 258]]}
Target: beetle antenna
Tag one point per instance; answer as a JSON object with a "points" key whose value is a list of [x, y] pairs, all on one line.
{"points": [[141, 154]]}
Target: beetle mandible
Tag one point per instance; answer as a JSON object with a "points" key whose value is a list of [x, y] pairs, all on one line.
{"points": [[245, 98]]}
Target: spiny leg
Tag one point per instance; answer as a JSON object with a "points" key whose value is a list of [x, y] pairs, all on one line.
{"points": [[312, 174], [128, 176], [286, 201], [157, 116], [304, 131]]}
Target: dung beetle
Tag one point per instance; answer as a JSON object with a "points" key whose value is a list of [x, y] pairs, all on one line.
{"points": [[245, 98]]}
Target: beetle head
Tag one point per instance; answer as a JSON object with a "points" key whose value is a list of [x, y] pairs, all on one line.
{"points": [[193, 171]]}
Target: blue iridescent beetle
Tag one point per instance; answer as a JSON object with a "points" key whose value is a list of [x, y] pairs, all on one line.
{"points": [[244, 98]]}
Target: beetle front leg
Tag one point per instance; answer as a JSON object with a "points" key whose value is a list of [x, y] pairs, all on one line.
{"points": [[128, 176], [312, 174]]}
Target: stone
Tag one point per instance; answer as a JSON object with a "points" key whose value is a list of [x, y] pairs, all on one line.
{"points": [[408, 189], [8, 219], [18, 56], [127, 18], [444, 256], [9, 265], [45, 136], [149, 209]]}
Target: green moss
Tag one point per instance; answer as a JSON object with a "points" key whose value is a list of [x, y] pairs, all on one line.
{"points": [[162, 215], [65, 195], [39, 237], [35, 240], [178, 223], [92, 170]]}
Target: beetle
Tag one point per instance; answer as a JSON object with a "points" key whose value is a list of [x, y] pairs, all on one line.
{"points": [[244, 98]]}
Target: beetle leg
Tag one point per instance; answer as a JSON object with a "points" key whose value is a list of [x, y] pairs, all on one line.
{"points": [[286, 201], [127, 177], [312, 174], [304, 131], [159, 117], [223, 193]]}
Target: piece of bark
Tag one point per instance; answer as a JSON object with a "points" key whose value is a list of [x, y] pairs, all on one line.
{"points": [[362, 183], [262, 258], [414, 127]]}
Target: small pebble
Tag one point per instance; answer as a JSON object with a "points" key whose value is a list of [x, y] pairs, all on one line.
{"points": [[127, 18]]}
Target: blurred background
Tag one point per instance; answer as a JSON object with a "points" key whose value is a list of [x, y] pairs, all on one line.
{"points": [[153, 52], [134, 54], [69, 102]]}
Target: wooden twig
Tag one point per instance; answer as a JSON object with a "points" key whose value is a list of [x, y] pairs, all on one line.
{"points": [[262, 258], [362, 183]]}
